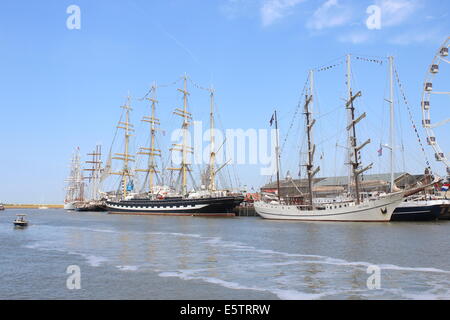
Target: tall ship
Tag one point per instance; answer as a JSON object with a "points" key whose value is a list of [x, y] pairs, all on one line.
{"points": [[160, 198], [75, 183], [353, 206], [94, 200]]}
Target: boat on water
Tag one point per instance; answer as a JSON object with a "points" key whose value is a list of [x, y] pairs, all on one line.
{"points": [[418, 210], [178, 206], [425, 206], [373, 210], [95, 202], [161, 199], [2, 207], [20, 221], [75, 183], [354, 207]]}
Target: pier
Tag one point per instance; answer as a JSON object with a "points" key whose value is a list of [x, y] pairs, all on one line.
{"points": [[245, 211]]}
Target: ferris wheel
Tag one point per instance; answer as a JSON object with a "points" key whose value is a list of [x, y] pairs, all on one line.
{"points": [[434, 87]]}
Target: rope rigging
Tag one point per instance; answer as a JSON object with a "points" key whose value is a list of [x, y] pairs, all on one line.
{"points": [[412, 120], [299, 105], [153, 87]]}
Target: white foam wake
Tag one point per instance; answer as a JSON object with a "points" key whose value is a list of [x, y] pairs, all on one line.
{"points": [[240, 260]]}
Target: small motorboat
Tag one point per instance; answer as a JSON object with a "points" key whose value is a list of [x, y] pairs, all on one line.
{"points": [[20, 221]]}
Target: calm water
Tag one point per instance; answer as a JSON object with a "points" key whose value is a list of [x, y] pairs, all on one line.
{"points": [[138, 257]]}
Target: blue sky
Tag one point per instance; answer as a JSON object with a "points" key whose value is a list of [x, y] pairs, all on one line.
{"points": [[61, 88]]}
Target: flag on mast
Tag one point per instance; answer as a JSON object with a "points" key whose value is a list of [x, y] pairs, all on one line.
{"points": [[272, 119], [380, 151]]}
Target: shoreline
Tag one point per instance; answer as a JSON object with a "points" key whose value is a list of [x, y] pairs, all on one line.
{"points": [[33, 206]]}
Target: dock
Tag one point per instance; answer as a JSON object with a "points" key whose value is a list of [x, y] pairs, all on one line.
{"points": [[245, 211]]}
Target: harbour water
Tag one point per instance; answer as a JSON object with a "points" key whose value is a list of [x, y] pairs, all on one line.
{"points": [[151, 257]]}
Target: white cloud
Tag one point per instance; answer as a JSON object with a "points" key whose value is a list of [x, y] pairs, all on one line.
{"points": [[330, 14], [273, 10], [395, 12]]}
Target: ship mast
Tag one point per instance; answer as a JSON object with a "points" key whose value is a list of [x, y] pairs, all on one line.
{"points": [[95, 170], [126, 157], [75, 189], [311, 147], [152, 152], [212, 158], [349, 119], [351, 129], [70, 194], [79, 183], [277, 153], [392, 133], [183, 148]]}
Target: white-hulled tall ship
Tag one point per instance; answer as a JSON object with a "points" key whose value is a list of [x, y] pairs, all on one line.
{"points": [[75, 183], [374, 209], [160, 199]]}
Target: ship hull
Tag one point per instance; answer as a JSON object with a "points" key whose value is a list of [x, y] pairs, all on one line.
{"points": [[379, 210], [417, 212], [90, 206], [222, 206], [444, 213], [69, 206]]}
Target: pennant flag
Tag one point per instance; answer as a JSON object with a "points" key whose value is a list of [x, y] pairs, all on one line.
{"points": [[271, 119], [380, 151]]}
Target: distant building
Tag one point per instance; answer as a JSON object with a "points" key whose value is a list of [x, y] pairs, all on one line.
{"points": [[333, 186]]}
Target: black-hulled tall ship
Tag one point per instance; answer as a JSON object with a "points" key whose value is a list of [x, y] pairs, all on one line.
{"points": [[419, 209], [160, 199], [428, 205], [178, 206]]}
